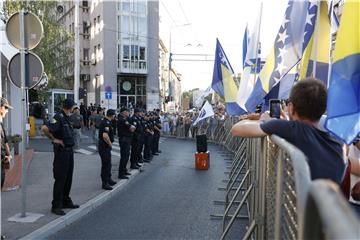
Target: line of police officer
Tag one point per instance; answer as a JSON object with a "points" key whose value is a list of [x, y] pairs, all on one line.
{"points": [[139, 137], [133, 133]]}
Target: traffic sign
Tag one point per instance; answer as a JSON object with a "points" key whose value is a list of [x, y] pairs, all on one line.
{"points": [[108, 88], [108, 95], [34, 67], [33, 30]]}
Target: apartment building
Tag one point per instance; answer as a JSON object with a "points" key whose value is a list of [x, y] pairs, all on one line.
{"points": [[118, 50]]}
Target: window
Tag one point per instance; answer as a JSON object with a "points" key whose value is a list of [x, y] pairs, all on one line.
{"points": [[125, 24], [142, 24], [98, 25], [125, 6], [142, 53], [126, 53], [94, 25], [98, 52], [141, 7], [86, 54], [134, 52], [85, 3], [95, 52]]}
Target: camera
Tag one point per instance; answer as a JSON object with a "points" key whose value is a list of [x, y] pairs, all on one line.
{"points": [[275, 108]]}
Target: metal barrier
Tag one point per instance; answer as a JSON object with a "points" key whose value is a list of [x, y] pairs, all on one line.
{"points": [[327, 214], [271, 179]]}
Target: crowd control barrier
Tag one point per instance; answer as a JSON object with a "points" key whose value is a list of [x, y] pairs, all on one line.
{"points": [[270, 179]]}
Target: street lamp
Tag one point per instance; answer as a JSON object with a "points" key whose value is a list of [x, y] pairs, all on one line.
{"points": [[170, 54]]}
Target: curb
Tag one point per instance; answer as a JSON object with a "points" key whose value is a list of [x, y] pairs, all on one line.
{"points": [[74, 215]]}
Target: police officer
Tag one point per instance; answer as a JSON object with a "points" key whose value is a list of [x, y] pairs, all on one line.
{"points": [[106, 138], [142, 121], [125, 134], [156, 137], [148, 129], [137, 139], [61, 134], [76, 120]]}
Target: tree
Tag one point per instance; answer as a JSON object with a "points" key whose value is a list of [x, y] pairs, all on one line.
{"points": [[56, 57]]}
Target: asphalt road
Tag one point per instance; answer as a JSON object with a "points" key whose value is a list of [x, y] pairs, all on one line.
{"points": [[170, 200]]}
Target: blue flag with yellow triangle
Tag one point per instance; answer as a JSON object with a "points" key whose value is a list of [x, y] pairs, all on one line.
{"points": [[223, 82]]}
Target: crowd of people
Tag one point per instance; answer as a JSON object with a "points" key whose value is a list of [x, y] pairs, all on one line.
{"points": [[182, 123]]}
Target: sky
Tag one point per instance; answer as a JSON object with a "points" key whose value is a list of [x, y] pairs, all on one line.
{"points": [[195, 25]]}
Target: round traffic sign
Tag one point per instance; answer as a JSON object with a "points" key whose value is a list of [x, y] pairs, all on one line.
{"points": [[108, 88], [33, 30], [35, 69]]}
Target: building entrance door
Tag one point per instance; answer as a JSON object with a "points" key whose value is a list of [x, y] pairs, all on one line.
{"points": [[127, 101]]}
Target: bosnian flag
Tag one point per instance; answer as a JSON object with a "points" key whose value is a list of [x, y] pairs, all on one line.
{"points": [[206, 111]]}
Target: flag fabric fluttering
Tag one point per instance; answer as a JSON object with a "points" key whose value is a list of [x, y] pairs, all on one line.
{"points": [[315, 61], [343, 104], [205, 112], [245, 44], [334, 20], [247, 82], [223, 82], [201, 99], [293, 37]]}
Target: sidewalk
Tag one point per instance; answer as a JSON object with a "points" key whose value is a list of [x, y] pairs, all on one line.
{"points": [[86, 186]]}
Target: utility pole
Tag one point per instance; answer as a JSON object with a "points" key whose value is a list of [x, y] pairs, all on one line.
{"points": [[77, 54]]}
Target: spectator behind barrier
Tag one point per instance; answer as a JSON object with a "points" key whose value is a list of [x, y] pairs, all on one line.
{"points": [[307, 103]]}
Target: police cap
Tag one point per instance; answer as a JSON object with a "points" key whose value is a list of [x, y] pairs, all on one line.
{"points": [[5, 103], [124, 109], [110, 112], [68, 103]]}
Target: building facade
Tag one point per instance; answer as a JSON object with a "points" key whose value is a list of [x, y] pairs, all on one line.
{"points": [[118, 51], [170, 86]]}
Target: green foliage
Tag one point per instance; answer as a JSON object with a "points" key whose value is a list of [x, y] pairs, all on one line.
{"points": [[51, 50]]}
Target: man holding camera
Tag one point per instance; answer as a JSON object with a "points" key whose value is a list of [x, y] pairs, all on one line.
{"points": [[307, 103]]}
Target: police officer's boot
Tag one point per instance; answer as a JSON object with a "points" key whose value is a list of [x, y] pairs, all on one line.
{"points": [[106, 186], [111, 182]]}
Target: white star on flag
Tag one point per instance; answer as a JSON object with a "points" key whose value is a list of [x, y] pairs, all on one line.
{"points": [[282, 37], [283, 51], [276, 80], [280, 67], [312, 3], [308, 19]]}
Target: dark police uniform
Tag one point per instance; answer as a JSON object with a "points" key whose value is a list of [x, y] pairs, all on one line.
{"points": [[125, 139], [63, 165], [136, 141], [148, 125], [105, 150], [156, 137]]}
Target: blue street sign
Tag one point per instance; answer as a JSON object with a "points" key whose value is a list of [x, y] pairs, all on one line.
{"points": [[108, 95]]}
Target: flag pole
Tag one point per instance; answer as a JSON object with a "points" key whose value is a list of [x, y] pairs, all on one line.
{"points": [[316, 40], [257, 44], [330, 45]]}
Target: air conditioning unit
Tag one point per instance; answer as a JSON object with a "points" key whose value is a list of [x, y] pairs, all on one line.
{"points": [[88, 23], [93, 61], [86, 77]]}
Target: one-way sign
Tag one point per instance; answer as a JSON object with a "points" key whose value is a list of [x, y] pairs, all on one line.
{"points": [[108, 95]]}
